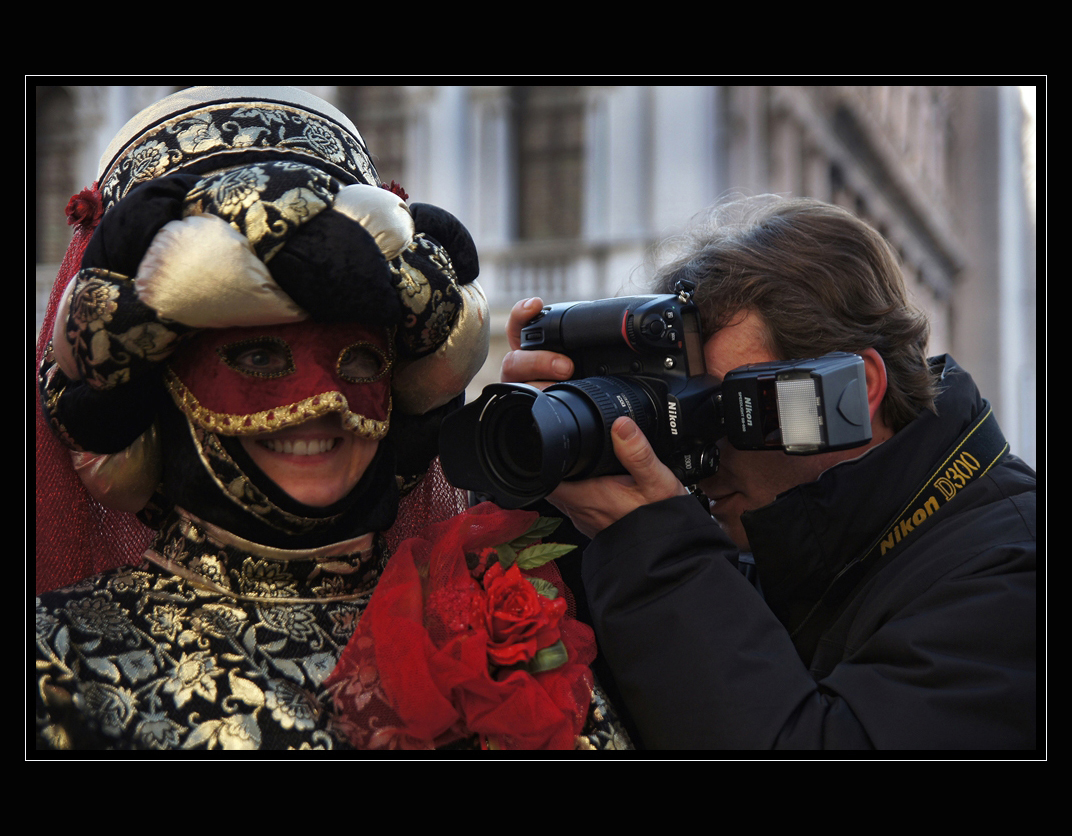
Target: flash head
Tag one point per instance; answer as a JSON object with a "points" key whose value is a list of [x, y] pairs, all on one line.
{"points": [[802, 407]]}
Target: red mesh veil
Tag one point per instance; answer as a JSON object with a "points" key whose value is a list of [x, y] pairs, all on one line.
{"points": [[76, 536]]}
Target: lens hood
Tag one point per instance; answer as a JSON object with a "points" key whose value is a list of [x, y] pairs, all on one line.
{"points": [[515, 443]]}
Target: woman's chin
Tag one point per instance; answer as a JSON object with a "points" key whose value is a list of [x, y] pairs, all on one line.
{"points": [[316, 493], [317, 498]]}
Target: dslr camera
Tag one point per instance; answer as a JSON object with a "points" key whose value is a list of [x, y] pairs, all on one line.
{"points": [[642, 356]]}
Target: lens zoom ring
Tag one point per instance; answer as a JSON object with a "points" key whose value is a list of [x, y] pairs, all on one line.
{"points": [[614, 397]]}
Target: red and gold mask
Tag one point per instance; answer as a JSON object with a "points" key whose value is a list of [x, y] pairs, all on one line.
{"points": [[252, 380]]}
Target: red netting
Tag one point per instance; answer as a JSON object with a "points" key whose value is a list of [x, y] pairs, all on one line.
{"points": [[76, 536]]}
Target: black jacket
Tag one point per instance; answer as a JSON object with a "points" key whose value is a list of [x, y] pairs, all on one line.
{"points": [[934, 648]]}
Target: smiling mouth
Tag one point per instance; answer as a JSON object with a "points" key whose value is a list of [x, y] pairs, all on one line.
{"points": [[299, 447]]}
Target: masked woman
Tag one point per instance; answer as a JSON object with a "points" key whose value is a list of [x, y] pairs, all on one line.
{"points": [[252, 344]]}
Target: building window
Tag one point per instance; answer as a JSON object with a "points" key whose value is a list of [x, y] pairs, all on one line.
{"points": [[549, 132]]}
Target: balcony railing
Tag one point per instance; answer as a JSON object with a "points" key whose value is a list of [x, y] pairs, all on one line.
{"points": [[558, 271]]}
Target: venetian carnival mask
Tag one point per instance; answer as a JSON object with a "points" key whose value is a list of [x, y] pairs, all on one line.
{"points": [[254, 380]]}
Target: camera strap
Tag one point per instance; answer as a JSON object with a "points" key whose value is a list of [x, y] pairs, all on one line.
{"points": [[969, 459]]}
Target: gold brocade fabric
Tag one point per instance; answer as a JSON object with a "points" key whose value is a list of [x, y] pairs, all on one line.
{"points": [[187, 129], [212, 643]]}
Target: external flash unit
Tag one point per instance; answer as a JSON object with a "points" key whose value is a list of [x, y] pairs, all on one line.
{"points": [[802, 407]]}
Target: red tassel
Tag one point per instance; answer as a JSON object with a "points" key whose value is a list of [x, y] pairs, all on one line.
{"points": [[396, 188], [85, 208]]}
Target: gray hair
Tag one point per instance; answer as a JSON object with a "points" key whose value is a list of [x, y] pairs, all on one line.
{"points": [[821, 279]]}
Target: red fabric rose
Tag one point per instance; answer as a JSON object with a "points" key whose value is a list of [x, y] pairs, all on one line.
{"points": [[85, 208], [520, 621]]}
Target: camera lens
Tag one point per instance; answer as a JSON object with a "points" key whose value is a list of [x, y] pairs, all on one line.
{"points": [[527, 441], [595, 403], [513, 442]]}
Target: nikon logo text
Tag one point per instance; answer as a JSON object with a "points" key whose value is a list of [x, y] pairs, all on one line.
{"points": [[955, 477], [671, 409]]}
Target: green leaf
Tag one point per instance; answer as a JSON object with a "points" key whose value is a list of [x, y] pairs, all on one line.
{"points": [[539, 530], [540, 554], [545, 588], [549, 658], [507, 555]]}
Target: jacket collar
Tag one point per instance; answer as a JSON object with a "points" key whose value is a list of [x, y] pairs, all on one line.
{"points": [[809, 533]]}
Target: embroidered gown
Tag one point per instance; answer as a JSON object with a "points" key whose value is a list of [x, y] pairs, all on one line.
{"points": [[214, 642]]}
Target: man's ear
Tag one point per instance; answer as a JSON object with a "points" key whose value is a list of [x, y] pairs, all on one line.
{"points": [[875, 374]]}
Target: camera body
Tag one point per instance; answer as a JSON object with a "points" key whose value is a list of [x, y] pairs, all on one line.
{"points": [[634, 336], [645, 353]]}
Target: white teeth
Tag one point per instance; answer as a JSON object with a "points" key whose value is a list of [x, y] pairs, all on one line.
{"points": [[301, 447]]}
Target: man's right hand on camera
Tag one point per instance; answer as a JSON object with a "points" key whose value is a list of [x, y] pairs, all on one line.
{"points": [[539, 368], [593, 504]]}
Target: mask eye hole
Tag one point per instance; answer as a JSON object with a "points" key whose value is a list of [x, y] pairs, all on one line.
{"points": [[362, 363], [258, 357]]}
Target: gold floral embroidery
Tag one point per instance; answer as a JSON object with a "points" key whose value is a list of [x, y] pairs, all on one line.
{"points": [[264, 202], [222, 130], [108, 348], [197, 134], [150, 659], [95, 297], [150, 341], [148, 161], [233, 191]]}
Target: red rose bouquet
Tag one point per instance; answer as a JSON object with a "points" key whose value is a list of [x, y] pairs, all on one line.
{"points": [[468, 634]]}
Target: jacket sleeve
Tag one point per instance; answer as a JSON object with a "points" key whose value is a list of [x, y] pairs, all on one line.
{"points": [[702, 662]]}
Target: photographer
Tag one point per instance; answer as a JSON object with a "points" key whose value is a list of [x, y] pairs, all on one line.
{"points": [[891, 602]]}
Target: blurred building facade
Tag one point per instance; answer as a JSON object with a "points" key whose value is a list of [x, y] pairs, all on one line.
{"points": [[566, 188]]}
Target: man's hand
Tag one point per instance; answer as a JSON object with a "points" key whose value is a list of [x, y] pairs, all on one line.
{"points": [[594, 504], [539, 368]]}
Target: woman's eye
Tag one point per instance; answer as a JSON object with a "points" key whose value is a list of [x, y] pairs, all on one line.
{"points": [[362, 363], [266, 358], [261, 360]]}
